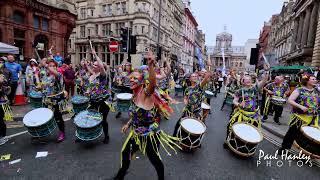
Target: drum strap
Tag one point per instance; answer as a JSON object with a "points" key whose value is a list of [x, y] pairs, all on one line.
{"points": [[141, 141], [304, 118], [266, 106], [242, 115], [7, 112]]}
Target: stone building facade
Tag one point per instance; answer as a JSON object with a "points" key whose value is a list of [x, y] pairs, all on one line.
{"points": [[102, 20], [280, 37], [235, 56], [24, 23], [306, 18]]}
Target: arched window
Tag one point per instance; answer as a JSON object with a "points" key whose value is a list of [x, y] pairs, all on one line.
{"points": [[18, 17]]}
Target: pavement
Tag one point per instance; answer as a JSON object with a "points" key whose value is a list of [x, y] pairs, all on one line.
{"points": [[95, 160]]}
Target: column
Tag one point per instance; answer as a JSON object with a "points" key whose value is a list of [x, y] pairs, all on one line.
{"points": [[299, 35], [294, 35], [313, 25], [316, 50], [305, 28]]}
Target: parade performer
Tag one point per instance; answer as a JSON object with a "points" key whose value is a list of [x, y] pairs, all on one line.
{"points": [[145, 134], [124, 84], [193, 97], [276, 89], [305, 102], [51, 86], [5, 76], [98, 91], [82, 75], [246, 103], [233, 85]]}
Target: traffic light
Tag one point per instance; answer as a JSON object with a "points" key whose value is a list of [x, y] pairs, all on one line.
{"points": [[124, 39], [133, 45], [159, 52]]}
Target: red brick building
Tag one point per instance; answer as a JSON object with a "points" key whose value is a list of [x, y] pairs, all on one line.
{"points": [[27, 22]]}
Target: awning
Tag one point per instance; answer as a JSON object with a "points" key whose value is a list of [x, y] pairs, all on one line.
{"points": [[8, 49], [290, 69]]}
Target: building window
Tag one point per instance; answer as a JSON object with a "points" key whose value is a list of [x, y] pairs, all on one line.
{"points": [[124, 7], [89, 32], [83, 13], [97, 29], [154, 33], [82, 31], [83, 52], [118, 5], [119, 26], [18, 17], [36, 22], [45, 24], [91, 12], [107, 9], [240, 64], [106, 29], [142, 29], [70, 43]]}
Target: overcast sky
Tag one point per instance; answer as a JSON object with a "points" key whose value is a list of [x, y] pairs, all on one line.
{"points": [[243, 18]]}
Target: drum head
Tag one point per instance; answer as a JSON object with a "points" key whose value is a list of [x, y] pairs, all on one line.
{"points": [[79, 99], [35, 94], [124, 96], [193, 126], [178, 86], [312, 132], [205, 106], [88, 119], [209, 92], [279, 99], [247, 132], [37, 117]]}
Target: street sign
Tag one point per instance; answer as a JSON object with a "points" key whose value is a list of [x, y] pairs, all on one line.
{"points": [[113, 46]]}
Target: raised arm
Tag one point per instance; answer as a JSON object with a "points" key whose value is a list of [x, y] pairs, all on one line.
{"points": [[152, 74], [100, 63]]}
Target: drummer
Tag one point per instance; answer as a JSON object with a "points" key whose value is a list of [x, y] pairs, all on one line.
{"points": [[193, 98], [305, 102], [246, 103], [145, 134], [279, 89], [4, 91], [50, 83], [98, 91], [82, 76], [125, 81]]}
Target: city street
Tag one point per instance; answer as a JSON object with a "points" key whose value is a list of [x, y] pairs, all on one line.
{"points": [[70, 160]]}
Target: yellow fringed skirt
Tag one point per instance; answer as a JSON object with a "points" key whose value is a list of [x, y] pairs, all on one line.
{"points": [[154, 137]]}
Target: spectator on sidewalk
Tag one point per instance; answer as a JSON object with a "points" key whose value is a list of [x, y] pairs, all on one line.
{"points": [[31, 69], [15, 70], [5, 76], [69, 79]]}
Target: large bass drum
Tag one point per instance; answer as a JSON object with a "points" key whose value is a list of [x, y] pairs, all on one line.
{"points": [[243, 139], [308, 140], [191, 133]]}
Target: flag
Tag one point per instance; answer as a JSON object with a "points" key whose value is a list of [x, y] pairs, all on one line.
{"points": [[224, 63]]}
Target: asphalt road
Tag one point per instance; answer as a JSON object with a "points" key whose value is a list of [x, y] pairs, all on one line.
{"points": [[70, 160]]}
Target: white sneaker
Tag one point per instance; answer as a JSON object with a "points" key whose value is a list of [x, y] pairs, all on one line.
{"points": [[3, 140]]}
